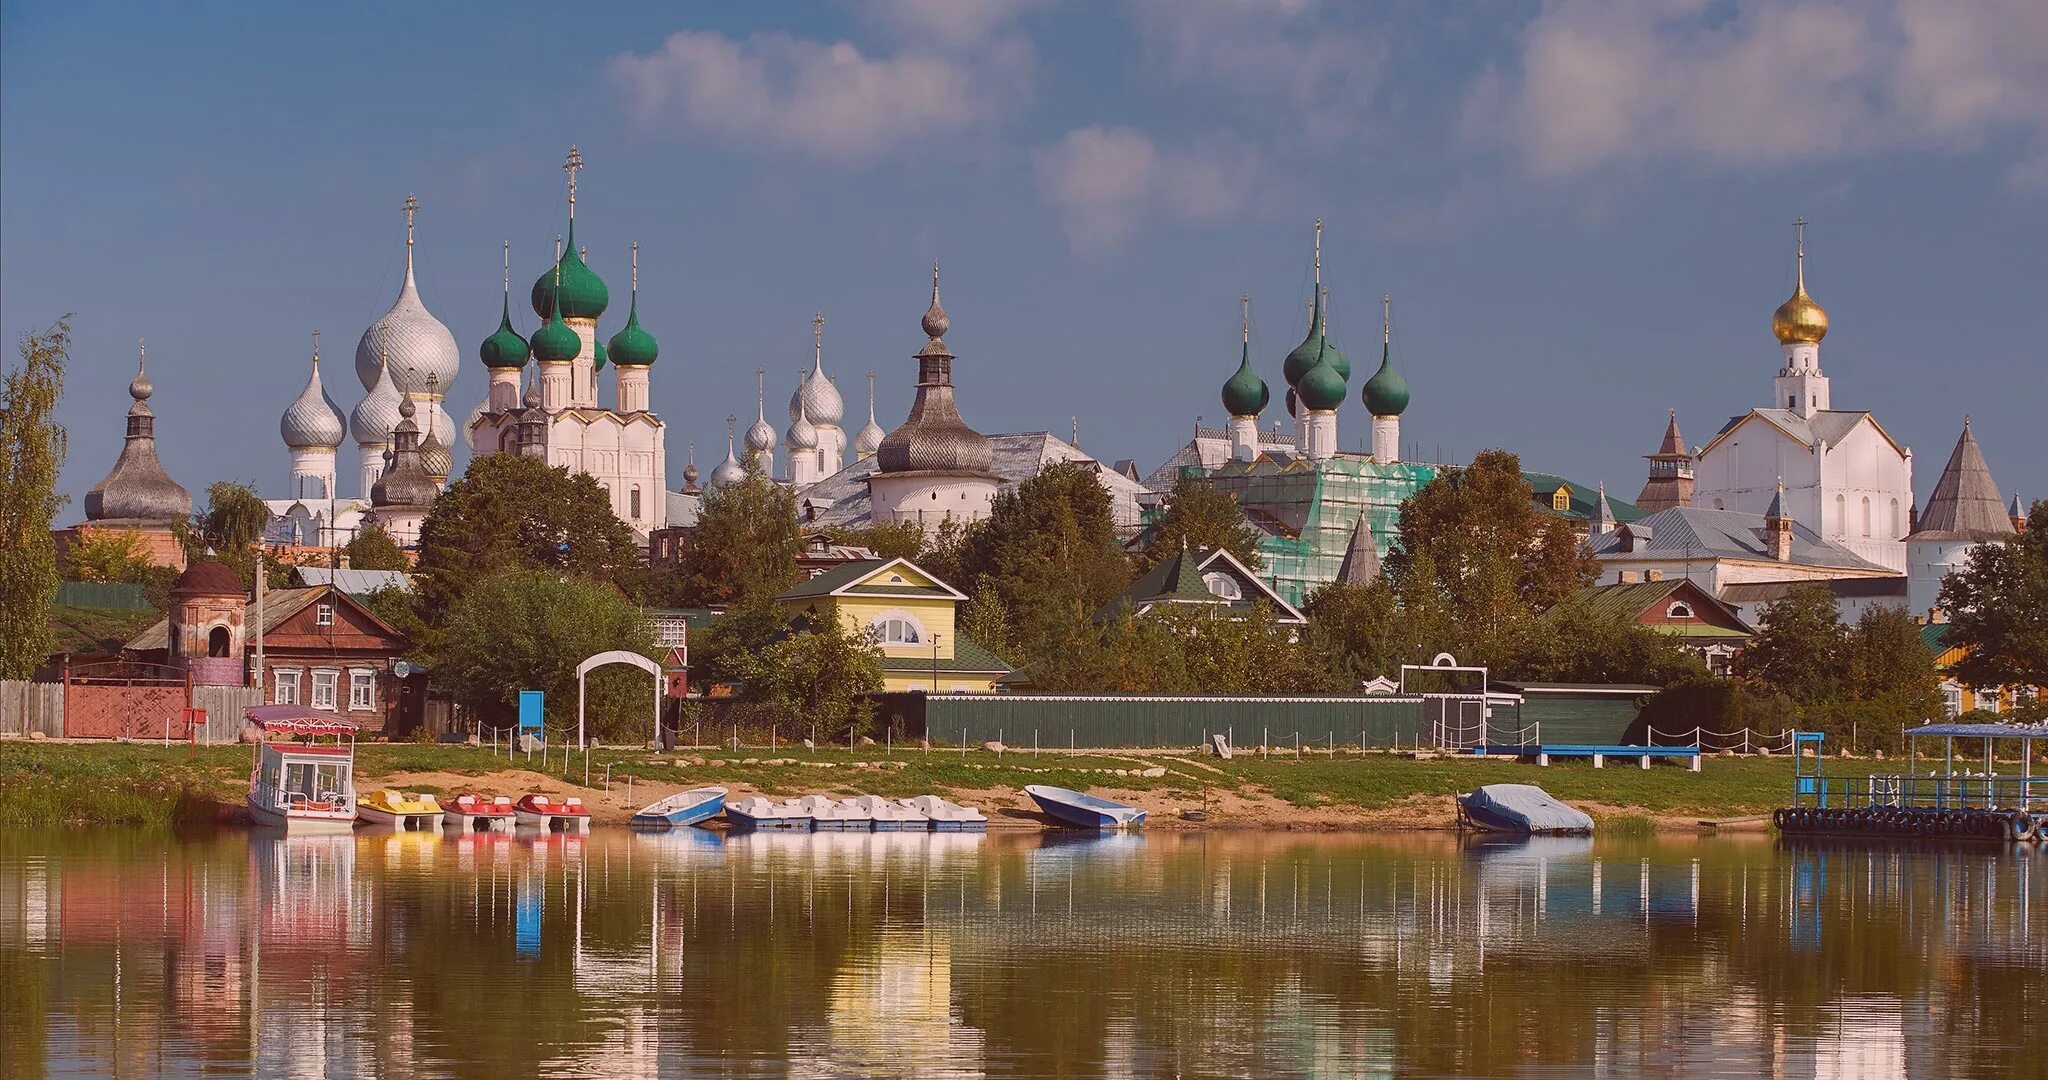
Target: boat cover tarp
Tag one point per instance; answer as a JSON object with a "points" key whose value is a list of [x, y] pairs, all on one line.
{"points": [[1532, 805]]}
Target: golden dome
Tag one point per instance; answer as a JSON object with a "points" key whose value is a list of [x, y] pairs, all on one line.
{"points": [[1799, 321]]}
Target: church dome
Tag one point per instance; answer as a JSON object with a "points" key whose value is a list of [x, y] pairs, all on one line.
{"points": [[435, 457], [208, 577], [554, 342], [803, 435], [418, 348], [504, 348], [728, 471], [584, 295], [1321, 388], [934, 438], [868, 439], [1244, 393], [632, 346], [137, 488], [312, 422], [1800, 320], [760, 437], [821, 400], [1386, 393], [377, 414], [599, 356]]}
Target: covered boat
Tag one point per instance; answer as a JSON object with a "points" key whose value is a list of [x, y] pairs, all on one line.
{"points": [[682, 808], [890, 815], [946, 816], [756, 812], [302, 787], [406, 812], [1519, 808], [538, 811], [1085, 810], [828, 814], [469, 812]]}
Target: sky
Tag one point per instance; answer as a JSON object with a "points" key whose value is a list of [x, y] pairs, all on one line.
{"points": [[1583, 211]]}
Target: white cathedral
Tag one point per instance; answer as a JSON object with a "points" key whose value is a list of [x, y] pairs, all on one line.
{"points": [[1842, 474]]}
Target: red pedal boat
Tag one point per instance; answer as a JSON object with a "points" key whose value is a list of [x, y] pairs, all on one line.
{"points": [[538, 811], [470, 812]]}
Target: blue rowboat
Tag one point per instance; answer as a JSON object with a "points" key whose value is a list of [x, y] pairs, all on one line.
{"points": [[755, 812], [1087, 811], [1519, 808], [682, 808]]}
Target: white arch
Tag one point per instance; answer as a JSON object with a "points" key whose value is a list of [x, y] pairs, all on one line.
{"points": [[616, 656]]}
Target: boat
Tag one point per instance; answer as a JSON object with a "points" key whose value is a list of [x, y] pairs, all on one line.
{"points": [[682, 808], [756, 812], [1519, 808], [302, 787], [471, 813], [1085, 810], [399, 810], [534, 810], [946, 816], [828, 814], [890, 815]]}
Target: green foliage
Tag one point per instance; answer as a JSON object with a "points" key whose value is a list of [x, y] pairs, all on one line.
{"points": [[1202, 516], [1474, 561], [744, 546], [1998, 609], [32, 446], [726, 652], [1862, 684], [1574, 643], [1359, 630], [400, 611], [1178, 649], [372, 548], [106, 555], [816, 676], [1701, 701], [1798, 649], [510, 512], [1047, 558], [232, 520], [888, 540], [528, 628]]}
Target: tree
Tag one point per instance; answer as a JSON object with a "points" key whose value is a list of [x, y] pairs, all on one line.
{"points": [[819, 675], [887, 539], [31, 452], [744, 546], [1358, 629], [527, 628], [1997, 606], [1046, 556], [1572, 642], [107, 555], [372, 548], [1202, 516], [229, 528], [510, 512], [1798, 650], [399, 611]]}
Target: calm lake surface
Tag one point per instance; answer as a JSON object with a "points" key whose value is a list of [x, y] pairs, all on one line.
{"points": [[129, 953]]}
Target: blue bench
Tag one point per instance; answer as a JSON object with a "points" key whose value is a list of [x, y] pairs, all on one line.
{"points": [[1543, 752]]}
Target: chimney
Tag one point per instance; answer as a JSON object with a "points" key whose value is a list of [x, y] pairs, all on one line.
{"points": [[1778, 526]]}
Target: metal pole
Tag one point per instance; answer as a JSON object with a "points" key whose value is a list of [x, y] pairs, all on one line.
{"points": [[259, 623]]}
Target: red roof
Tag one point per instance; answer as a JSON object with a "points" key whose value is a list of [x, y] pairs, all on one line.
{"points": [[299, 720]]}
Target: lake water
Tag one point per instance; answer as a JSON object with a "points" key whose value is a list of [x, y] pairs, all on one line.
{"points": [[129, 953]]}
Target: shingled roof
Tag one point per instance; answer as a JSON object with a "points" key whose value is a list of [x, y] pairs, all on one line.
{"points": [[1965, 503]]}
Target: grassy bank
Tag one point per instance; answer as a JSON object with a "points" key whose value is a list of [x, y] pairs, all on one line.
{"points": [[44, 784]]}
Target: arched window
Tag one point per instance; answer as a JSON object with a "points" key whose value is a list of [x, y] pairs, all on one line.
{"points": [[217, 641], [1841, 516], [1898, 521], [1866, 515], [633, 500], [1679, 609], [898, 628], [1223, 585]]}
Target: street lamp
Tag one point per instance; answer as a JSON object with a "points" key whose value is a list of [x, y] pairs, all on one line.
{"points": [[935, 663]]}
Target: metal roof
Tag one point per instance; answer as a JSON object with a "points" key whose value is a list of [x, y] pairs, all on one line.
{"points": [[1692, 532], [1982, 731]]}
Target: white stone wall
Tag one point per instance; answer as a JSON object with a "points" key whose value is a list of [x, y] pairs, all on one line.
{"points": [[1825, 487], [929, 499], [1927, 562]]}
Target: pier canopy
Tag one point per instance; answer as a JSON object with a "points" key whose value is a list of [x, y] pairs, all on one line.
{"points": [[1980, 731]]}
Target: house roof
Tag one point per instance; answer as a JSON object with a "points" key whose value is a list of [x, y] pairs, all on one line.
{"points": [[1628, 600], [1583, 498], [968, 658], [354, 582], [867, 577], [842, 498], [279, 605], [1964, 504], [1829, 425], [1865, 588], [1692, 532], [1935, 637], [1361, 563], [1178, 579]]}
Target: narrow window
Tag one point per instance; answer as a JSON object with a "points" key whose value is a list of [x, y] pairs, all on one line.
{"points": [[324, 683], [323, 615], [633, 500], [362, 689], [1866, 515], [286, 688]]}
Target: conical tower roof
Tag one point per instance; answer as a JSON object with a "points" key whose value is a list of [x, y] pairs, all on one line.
{"points": [[1965, 503], [934, 438], [137, 489], [1361, 565]]}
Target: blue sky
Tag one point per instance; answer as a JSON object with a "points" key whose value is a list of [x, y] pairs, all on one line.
{"points": [[1582, 211]]}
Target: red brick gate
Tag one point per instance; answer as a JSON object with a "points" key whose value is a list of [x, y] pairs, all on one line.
{"points": [[124, 699]]}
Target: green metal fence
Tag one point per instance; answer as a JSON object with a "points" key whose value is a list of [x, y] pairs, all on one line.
{"points": [[1060, 721]]}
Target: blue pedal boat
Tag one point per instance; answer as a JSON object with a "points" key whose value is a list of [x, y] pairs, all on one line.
{"points": [[1085, 810], [682, 808]]}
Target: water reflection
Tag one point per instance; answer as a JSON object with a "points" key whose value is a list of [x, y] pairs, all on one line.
{"points": [[960, 954]]}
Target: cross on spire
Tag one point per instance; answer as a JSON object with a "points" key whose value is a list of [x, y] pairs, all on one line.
{"points": [[1800, 226], [1386, 318], [412, 206], [570, 165], [818, 334], [1319, 254], [636, 268], [142, 353], [508, 267], [316, 348]]}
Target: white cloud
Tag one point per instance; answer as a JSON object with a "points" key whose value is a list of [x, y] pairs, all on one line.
{"points": [[1601, 85], [825, 100], [1106, 182], [1267, 50], [952, 22]]}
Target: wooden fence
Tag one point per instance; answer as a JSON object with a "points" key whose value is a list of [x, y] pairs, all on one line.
{"points": [[39, 707]]}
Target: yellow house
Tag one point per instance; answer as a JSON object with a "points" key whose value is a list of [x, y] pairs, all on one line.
{"points": [[1958, 698], [910, 613]]}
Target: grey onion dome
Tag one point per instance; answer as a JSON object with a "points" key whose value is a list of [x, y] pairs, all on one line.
{"points": [[469, 428], [803, 435], [868, 439], [435, 456], [933, 438], [729, 471], [378, 413], [137, 488], [312, 421], [406, 481], [760, 437], [140, 387], [417, 346]]}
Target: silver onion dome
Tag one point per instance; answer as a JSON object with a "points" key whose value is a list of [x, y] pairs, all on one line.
{"points": [[803, 435], [933, 438], [377, 414], [312, 422], [760, 437], [868, 439], [469, 427], [418, 347]]}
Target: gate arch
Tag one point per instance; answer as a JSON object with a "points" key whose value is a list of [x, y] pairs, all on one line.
{"points": [[616, 656]]}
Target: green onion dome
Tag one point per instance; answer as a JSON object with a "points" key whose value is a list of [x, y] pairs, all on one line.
{"points": [[1310, 352], [1245, 394], [598, 356], [632, 346], [1386, 393], [554, 342], [583, 293], [1321, 388], [504, 348], [1334, 356]]}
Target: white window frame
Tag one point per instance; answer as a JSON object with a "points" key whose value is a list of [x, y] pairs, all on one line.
{"points": [[1952, 699], [323, 614], [1215, 578], [278, 677], [880, 625], [328, 679], [1679, 609], [366, 680]]}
